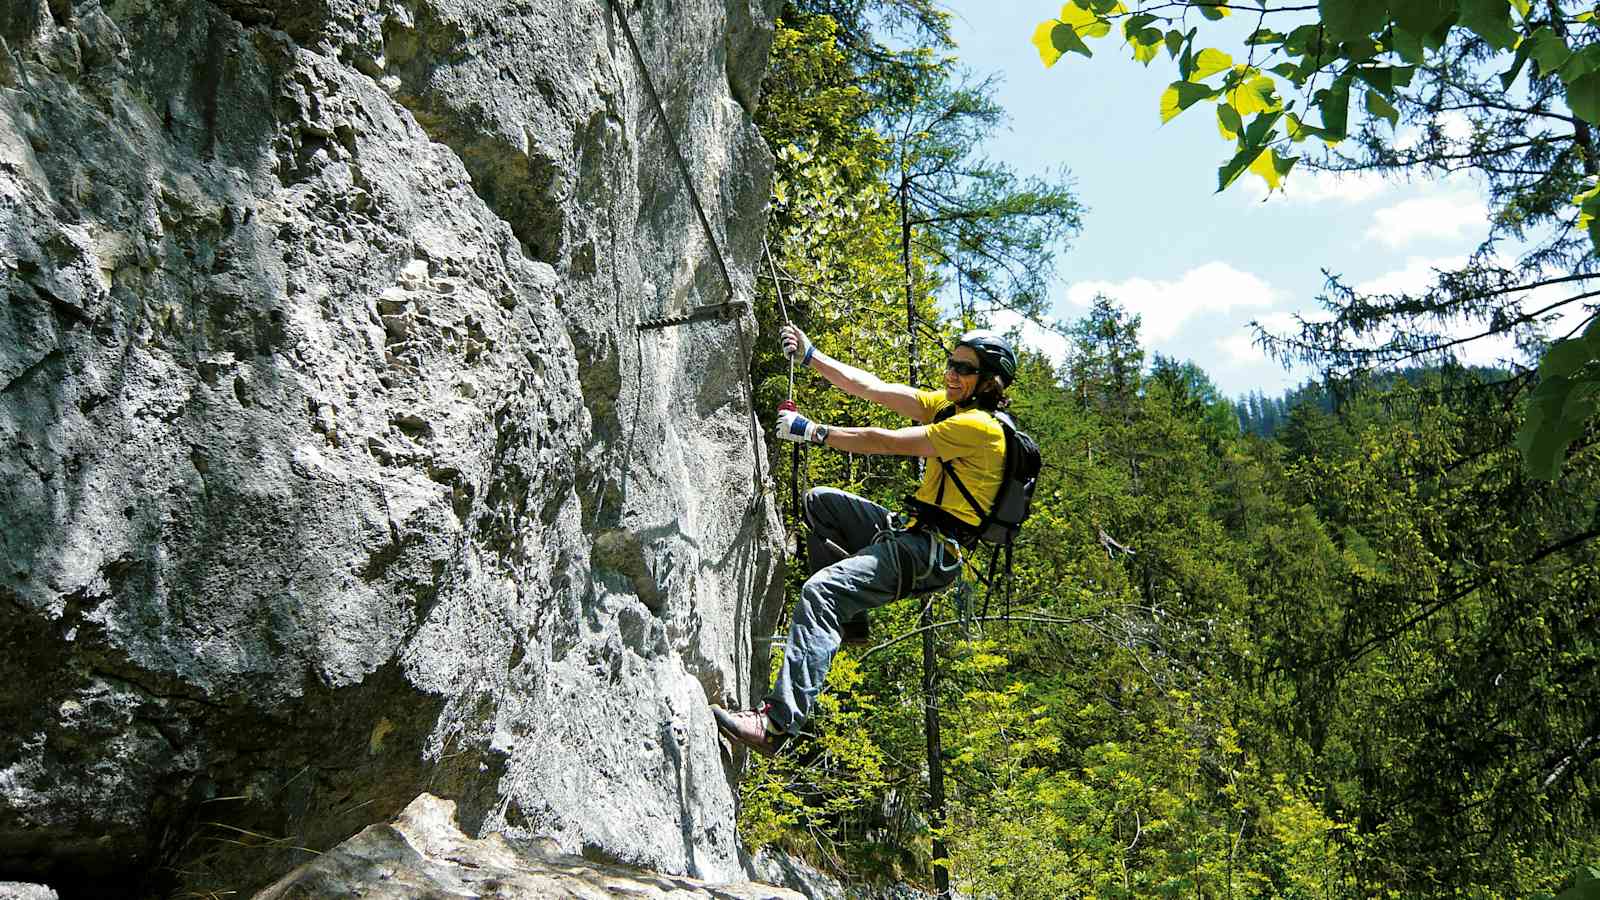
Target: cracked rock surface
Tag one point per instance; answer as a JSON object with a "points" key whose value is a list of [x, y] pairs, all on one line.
{"points": [[332, 468], [424, 854]]}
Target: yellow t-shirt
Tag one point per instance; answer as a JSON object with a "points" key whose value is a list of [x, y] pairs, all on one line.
{"points": [[975, 445]]}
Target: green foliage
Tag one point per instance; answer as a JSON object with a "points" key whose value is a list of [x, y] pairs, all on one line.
{"points": [[1347, 650], [1561, 406], [1429, 61]]}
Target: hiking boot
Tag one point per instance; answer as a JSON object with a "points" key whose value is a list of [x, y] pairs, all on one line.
{"points": [[856, 632], [750, 729]]}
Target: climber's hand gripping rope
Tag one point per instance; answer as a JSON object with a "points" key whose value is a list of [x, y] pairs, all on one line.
{"points": [[794, 427], [795, 344]]}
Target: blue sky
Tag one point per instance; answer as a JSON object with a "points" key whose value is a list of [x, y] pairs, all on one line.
{"points": [[1198, 265]]}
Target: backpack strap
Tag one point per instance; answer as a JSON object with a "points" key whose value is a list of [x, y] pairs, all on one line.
{"points": [[985, 518]]}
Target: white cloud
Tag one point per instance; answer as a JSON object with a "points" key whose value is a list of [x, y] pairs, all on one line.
{"points": [[1049, 343], [1240, 347], [1313, 186], [1453, 215], [1165, 305], [1417, 276], [1454, 127]]}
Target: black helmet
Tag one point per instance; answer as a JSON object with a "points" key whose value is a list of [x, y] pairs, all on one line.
{"points": [[994, 353]]}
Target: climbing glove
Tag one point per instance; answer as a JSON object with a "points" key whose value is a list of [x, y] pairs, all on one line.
{"points": [[794, 427], [795, 344]]}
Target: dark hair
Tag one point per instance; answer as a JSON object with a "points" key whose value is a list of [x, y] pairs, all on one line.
{"points": [[990, 394]]}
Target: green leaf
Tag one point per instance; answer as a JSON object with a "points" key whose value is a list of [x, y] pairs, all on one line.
{"points": [[1557, 412], [1490, 20], [1408, 45], [1180, 95], [1263, 36], [1548, 50], [1174, 43], [1350, 19], [1381, 108], [1065, 39], [1298, 130], [1517, 62], [1435, 39], [1583, 98], [1579, 64], [1146, 45], [1302, 40], [1287, 70], [1209, 63], [1136, 23], [1566, 357], [1362, 49], [1228, 122], [1335, 105], [1386, 78], [1233, 168], [1421, 16], [1212, 9], [1259, 131]]}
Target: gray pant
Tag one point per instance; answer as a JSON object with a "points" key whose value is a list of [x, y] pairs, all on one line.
{"points": [[840, 589]]}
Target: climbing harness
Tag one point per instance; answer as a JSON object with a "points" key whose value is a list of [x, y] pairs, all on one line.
{"points": [[732, 309], [940, 547]]}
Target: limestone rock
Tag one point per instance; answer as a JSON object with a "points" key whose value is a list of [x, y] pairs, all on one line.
{"points": [[16, 890], [424, 854], [776, 867], [319, 395]]}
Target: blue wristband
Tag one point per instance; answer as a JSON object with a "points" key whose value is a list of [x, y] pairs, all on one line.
{"points": [[810, 349]]}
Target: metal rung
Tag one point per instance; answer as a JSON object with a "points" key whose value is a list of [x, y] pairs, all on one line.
{"points": [[730, 310]]}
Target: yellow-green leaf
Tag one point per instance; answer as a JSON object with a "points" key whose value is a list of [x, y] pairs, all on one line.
{"points": [[1272, 167], [1055, 38], [1209, 63], [1213, 9], [1048, 54], [1298, 129], [1086, 23], [1146, 52], [1255, 95], [1180, 95]]}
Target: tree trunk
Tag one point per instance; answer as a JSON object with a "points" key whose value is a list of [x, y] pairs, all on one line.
{"points": [[905, 263], [930, 706]]}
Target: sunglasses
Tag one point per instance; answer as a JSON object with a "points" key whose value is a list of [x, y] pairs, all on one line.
{"points": [[960, 367]]}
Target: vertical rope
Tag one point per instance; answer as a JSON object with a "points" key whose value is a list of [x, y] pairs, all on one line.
{"points": [[711, 238]]}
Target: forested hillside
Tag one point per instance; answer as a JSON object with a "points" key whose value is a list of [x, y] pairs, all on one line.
{"points": [[1356, 658]]}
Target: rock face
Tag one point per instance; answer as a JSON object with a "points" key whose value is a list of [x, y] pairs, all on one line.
{"points": [[423, 854], [332, 467]]}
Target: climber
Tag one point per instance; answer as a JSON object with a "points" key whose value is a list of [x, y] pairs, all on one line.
{"points": [[864, 556]]}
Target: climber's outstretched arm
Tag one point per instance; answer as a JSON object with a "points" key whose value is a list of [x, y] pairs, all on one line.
{"points": [[856, 382], [913, 441]]}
